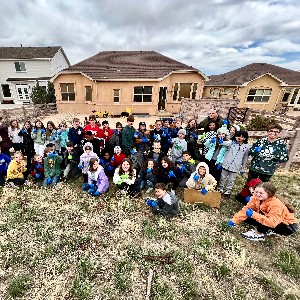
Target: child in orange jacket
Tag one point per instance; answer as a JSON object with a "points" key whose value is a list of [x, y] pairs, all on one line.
{"points": [[267, 213]]}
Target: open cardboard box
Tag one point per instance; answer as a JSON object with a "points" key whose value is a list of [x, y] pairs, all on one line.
{"points": [[211, 199]]}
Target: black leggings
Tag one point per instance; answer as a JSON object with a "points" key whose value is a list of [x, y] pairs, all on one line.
{"points": [[17, 181], [281, 228]]}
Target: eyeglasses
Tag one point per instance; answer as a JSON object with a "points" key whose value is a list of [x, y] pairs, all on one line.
{"points": [[276, 132]]}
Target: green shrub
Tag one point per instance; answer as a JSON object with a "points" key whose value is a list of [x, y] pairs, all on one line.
{"points": [[260, 123], [18, 286]]}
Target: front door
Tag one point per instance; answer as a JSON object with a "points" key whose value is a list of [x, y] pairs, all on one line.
{"points": [[23, 93], [162, 98]]}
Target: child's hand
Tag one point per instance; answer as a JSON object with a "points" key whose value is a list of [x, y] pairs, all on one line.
{"points": [[34, 130], [38, 166], [145, 140], [230, 223], [149, 170], [249, 212], [171, 174], [37, 176], [220, 141], [49, 180], [58, 132], [51, 154], [154, 203], [242, 173], [97, 193], [219, 167], [248, 198], [132, 151], [148, 202], [196, 177], [204, 191], [110, 168], [257, 149], [80, 166], [113, 158], [23, 130], [52, 138], [42, 130], [225, 122], [213, 140], [92, 185], [183, 168]]}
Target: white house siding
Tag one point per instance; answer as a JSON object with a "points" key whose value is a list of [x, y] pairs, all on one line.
{"points": [[58, 63]]}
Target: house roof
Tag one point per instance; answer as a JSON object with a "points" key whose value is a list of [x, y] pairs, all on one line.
{"points": [[118, 65], [29, 79], [250, 72], [29, 52]]}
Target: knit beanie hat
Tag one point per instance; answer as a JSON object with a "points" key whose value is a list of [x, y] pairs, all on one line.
{"points": [[183, 131], [223, 129], [117, 148]]}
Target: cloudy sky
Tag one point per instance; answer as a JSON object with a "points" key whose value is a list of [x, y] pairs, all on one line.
{"points": [[214, 36]]}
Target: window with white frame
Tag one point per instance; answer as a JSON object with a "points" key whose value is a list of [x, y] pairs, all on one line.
{"points": [[116, 95], [294, 97], [67, 91], [259, 95], [286, 95], [184, 90], [142, 94], [88, 93], [6, 91], [20, 66]]}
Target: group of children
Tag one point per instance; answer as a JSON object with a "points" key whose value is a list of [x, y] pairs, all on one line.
{"points": [[161, 159]]}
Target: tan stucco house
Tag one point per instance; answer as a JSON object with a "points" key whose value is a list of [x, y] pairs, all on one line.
{"points": [[118, 81], [258, 86]]}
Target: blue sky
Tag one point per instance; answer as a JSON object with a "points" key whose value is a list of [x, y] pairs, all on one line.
{"points": [[213, 36]]}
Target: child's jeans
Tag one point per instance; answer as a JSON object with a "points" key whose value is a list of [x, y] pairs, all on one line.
{"points": [[227, 181], [55, 180]]}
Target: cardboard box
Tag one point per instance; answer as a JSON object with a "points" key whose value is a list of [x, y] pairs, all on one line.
{"points": [[211, 199]]}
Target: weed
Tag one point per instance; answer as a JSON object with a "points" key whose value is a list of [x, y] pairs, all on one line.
{"points": [[273, 289], [162, 291], [121, 277], [18, 286], [149, 230], [189, 289], [81, 289], [182, 266], [223, 226], [86, 268], [239, 293], [288, 262], [134, 251], [221, 271]]}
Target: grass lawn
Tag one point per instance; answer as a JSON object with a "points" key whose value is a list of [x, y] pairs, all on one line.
{"points": [[61, 243]]}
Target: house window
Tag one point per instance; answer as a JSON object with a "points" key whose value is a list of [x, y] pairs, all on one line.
{"points": [[20, 67], [215, 92], [295, 94], [6, 90], [195, 86], [116, 95], [67, 91], [259, 95], [88, 93], [183, 90], [175, 92], [286, 95], [142, 94]]}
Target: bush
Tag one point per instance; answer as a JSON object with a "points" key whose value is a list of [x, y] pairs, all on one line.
{"points": [[260, 123]]}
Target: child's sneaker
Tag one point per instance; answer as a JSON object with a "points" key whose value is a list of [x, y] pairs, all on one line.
{"points": [[253, 235], [270, 232], [227, 194]]}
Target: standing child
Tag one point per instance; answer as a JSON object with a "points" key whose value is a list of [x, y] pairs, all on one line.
{"points": [[37, 167], [97, 180], [52, 167], [51, 134], [71, 160], [267, 213], [177, 127], [201, 179], [16, 169], [187, 167], [234, 162], [38, 134], [148, 175], [125, 176], [192, 139], [28, 144], [13, 133], [233, 129], [116, 138], [179, 145], [62, 136], [166, 203], [76, 133], [85, 158], [4, 162], [156, 153], [210, 131], [128, 136]]}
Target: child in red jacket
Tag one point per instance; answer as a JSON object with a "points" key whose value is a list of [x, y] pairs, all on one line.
{"points": [[248, 191], [116, 159], [37, 167]]}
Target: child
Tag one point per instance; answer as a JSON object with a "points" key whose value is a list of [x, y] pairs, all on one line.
{"points": [[168, 173], [187, 167], [179, 145], [52, 167], [4, 162], [142, 139], [235, 161], [28, 144], [233, 129], [63, 136], [201, 179], [5, 141], [105, 163], [166, 136], [128, 136], [246, 193], [177, 127], [85, 158], [106, 131], [37, 167], [117, 158], [97, 180], [95, 130], [216, 152], [192, 139], [13, 133], [76, 133], [210, 131], [71, 159], [267, 213], [156, 154], [51, 136], [125, 176], [38, 134], [116, 138], [166, 203], [148, 175], [16, 168]]}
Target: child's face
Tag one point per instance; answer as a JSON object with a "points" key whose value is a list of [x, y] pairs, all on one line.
{"points": [[38, 124], [106, 156], [26, 125], [186, 157], [70, 149], [14, 124], [125, 166], [166, 123], [62, 127], [89, 137], [192, 123], [87, 150], [158, 125], [92, 122], [156, 146], [240, 139], [212, 126], [105, 126], [221, 135], [39, 159], [49, 126], [178, 124], [181, 136], [130, 123], [261, 194], [159, 193], [201, 171], [76, 124], [164, 164], [118, 152], [150, 164], [18, 157], [232, 130], [95, 165]]}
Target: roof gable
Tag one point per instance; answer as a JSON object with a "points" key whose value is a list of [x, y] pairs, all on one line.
{"points": [[246, 74], [118, 65]]}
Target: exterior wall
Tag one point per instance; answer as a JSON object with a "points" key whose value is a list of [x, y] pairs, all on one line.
{"points": [[58, 62], [102, 94]]}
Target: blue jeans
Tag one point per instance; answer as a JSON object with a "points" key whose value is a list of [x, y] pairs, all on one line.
{"points": [[55, 180]]}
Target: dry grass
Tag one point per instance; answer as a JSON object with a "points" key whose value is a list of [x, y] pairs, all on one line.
{"points": [[68, 245]]}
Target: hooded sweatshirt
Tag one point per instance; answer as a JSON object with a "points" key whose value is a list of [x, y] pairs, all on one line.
{"points": [[99, 179], [208, 181], [167, 205], [86, 157]]}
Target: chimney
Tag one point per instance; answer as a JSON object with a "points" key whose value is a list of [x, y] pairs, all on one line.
{"points": [[21, 45]]}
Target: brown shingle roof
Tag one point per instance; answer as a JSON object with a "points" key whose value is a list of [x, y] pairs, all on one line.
{"points": [[28, 52], [108, 65], [252, 71]]}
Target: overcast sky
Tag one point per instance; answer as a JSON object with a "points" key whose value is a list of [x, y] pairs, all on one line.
{"points": [[214, 36]]}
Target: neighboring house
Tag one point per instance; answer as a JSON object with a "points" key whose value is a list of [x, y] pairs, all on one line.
{"points": [[22, 67], [138, 81], [258, 86]]}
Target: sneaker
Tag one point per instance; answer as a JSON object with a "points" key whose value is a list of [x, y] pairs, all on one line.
{"points": [[253, 235], [270, 232], [227, 194]]}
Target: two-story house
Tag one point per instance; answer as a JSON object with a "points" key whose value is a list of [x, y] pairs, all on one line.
{"points": [[115, 81], [22, 67]]}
